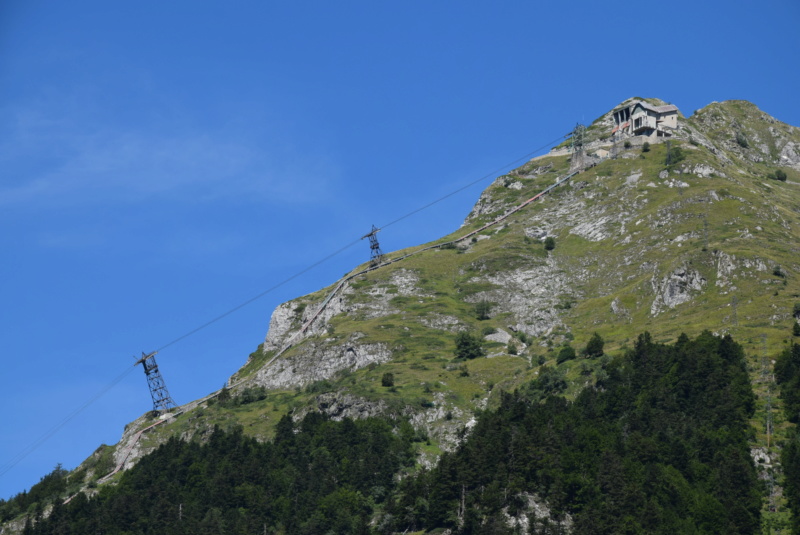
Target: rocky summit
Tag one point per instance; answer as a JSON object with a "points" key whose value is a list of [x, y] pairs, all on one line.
{"points": [[659, 222]]}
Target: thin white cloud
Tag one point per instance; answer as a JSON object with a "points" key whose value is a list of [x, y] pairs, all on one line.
{"points": [[61, 161]]}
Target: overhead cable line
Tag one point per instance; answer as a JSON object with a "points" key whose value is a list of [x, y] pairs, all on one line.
{"points": [[259, 296], [41, 440], [34, 445], [481, 179], [342, 249]]}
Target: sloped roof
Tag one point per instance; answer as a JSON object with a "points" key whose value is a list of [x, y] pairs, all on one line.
{"points": [[669, 108], [658, 109], [666, 109]]}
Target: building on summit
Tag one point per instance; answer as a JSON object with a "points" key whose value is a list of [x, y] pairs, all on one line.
{"points": [[638, 118]]}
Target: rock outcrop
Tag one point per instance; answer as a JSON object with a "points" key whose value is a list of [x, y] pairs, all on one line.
{"points": [[676, 288], [317, 360]]}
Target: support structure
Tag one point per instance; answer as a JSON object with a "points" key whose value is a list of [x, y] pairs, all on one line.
{"points": [[576, 146], [162, 401], [375, 253]]}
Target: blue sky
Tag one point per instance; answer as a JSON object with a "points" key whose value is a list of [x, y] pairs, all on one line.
{"points": [[162, 162]]}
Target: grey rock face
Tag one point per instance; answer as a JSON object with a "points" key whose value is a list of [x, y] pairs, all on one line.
{"points": [[500, 336], [536, 171], [790, 155], [530, 295], [634, 177], [318, 360], [536, 233], [488, 205], [726, 267], [437, 424], [444, 421], [676, 288], [595, 230], [340, 406], [282, 321], [704, 171], [535, 516], [288, 318], [619, 309], [442, 322], [128, 449]]}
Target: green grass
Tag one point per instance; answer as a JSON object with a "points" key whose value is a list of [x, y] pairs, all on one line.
{"points": [[643, 224]]}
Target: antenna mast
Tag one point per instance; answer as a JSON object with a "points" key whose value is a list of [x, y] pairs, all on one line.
{"points": [[375, 253], [162, 401]]}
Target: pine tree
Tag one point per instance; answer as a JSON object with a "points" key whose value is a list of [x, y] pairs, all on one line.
{"points": [[468, 346], [595, 346]]}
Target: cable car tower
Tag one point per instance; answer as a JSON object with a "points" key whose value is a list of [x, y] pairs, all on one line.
{"points": [[375, 253], [162, 401], [576, 146]]}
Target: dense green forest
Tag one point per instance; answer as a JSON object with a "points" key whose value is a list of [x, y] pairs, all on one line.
{"points": [[658, 445], [49, 489], [316, 477], [787, 374]]}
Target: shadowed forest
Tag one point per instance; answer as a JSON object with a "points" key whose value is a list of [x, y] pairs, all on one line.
{"points": [[659, 445]]}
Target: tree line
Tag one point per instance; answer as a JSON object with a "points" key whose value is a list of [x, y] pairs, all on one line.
{"points": [[317, 476], [787, 375], [658, 445]]}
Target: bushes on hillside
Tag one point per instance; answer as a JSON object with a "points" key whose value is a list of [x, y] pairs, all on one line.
{"points": [[778, 174], [741, 139], [249, 395], [674, 156], [566, 353], [468, 346], [595, 346], [482, 309]]}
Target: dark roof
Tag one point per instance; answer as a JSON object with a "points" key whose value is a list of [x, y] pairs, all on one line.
{"points": [[658, 109], [666, 109]]}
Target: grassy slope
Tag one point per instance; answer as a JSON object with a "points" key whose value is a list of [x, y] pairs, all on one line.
{"points": [[423, 364]]}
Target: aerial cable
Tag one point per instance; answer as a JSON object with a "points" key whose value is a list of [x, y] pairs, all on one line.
{"points": [[259, 296], [34, 445], [490, 174], [56, 428], [351, 244]]}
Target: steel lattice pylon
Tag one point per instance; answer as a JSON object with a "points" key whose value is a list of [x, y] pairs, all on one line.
{"points": [[375, 253], [162, 401], [576, 146]]}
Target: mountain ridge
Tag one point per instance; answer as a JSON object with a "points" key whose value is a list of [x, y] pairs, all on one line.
{"points": [[372, 299], [707, 241]]}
